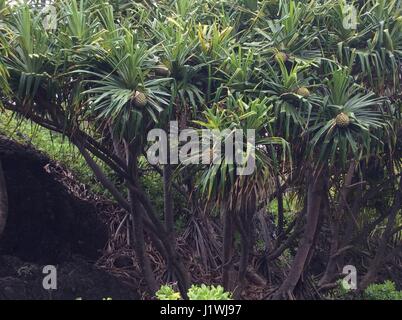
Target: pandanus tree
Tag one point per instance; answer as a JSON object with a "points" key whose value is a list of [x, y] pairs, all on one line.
{"points": [[90, 78], [122, 100], [105, 74], [373, 44], [339, 135], [177, 60], [236, 188]]}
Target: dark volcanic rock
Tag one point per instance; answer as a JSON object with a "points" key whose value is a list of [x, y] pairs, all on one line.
{"points": [[46, 224], [49, 226], [75, 279]]}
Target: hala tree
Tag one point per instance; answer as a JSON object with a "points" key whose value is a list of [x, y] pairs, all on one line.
{"points": [[323, 101], [91, 70], [338, 136], [235, 195]]}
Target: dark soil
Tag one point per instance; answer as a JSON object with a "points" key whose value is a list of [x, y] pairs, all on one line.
{"points": [[47, 225], [75, 279]]}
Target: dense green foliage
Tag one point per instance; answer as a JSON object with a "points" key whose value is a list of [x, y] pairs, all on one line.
{"points": [[383, 291], [54, 145], [319, 87]]}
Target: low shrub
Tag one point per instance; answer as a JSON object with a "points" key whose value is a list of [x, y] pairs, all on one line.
{"points": [[382, 291], [196, 292]]}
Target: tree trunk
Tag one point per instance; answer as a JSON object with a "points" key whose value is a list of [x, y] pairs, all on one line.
{"points": [[3, 201], [132, 207], [331, 267], [314, 197], [152, 221], [280, 207], [139, 245], [335, 226], [244, 225], [382, 248], [168, 200], [227, 263], [137, 212], [171, 253]]}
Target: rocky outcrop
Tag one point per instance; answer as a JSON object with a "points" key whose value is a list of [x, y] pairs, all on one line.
{"points": [[76, 279], [47, 225]]}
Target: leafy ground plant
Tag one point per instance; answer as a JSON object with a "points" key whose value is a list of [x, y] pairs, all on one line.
{"points": [[382, 291], [196, 292], [167, 292]]}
